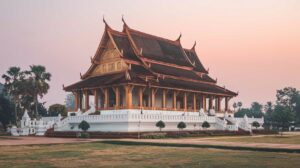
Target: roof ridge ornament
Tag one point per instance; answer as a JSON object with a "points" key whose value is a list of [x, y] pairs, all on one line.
{"points": [[104, 21], [178, 39], [193, 48], [123, 20]]}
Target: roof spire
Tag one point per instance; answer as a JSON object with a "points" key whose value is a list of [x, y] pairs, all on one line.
{"points": [[178, 39], [104, 21], [193, 48], [123, 20]]}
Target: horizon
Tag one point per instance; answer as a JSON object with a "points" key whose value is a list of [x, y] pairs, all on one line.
{"points": [[250, 47]]}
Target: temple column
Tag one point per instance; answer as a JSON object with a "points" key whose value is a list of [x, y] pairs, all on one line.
{"points": [[96, 97], [76, 95], [117, 93], [226, 103], [204, 102], [164, 93], [185, 101], [141, 97], [106, 97], [153, 93], [128, 96], [87, 100], [210, 103], [80, 100], [216, 103], [174, 100], [219, 103], [195, 102]]}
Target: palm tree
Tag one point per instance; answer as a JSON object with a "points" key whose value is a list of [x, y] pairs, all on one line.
{"points": [[234, 106], [39, 78], [13, 78], [239, 104]]}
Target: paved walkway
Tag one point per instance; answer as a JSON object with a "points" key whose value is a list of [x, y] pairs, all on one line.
{"points": [[202, 141], [9, 140]]}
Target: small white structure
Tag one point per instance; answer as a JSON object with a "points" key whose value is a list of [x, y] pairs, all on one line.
{"points": [[34, 127]]}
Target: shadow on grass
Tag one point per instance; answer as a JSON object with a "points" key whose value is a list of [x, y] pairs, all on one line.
{"points": [[260, 149]]}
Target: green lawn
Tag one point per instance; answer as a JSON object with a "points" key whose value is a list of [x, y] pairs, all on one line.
{"points": [[265, 139], [112, 155]]}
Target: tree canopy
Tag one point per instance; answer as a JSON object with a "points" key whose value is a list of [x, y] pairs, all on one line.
{"points": [[24, 87], [56, 109]]}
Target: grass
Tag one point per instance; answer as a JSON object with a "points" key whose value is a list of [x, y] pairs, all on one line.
{"points": [[104, 154], [264, 139]]}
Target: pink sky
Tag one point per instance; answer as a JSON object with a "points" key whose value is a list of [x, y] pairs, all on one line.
{"points": [[251, 46]]}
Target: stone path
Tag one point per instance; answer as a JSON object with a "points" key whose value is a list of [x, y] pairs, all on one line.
{"points": [[210, 141], [9, 140]]}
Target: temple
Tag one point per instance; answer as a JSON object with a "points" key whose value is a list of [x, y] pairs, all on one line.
{"points": [[137, 80], [135, 70]]}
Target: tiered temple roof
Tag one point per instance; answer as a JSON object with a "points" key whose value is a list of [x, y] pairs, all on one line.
{"points": [[149, 60]]}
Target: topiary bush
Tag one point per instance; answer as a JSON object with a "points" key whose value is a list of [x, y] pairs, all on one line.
{"points": [[84, 126], [181, 125], [205, 125], [160, 124]]}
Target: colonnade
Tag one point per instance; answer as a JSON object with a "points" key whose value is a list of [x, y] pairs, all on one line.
{"points": [[132, 97]]}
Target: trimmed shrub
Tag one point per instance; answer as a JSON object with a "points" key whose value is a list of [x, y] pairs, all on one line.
{"points": [[255, 124], [181, 125], [205, 125], [84, 126], [160, 124]]}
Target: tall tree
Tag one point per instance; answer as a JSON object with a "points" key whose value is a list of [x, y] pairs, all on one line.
{"points": [[40, 79], [256, 109], [234, 106], [282, 116], [269, 109], [239, 104], [13, 81], [6, 111], [289, 97]]}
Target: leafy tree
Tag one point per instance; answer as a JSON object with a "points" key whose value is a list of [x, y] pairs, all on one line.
{"points": [[13, 81], [289, 97], [160, 124], [256, 110], [56, 109], [40, 79], [242, 112], [255, 124], [205, 125], [84, 125], [181, 125], [282, 117], [6, 111]]}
